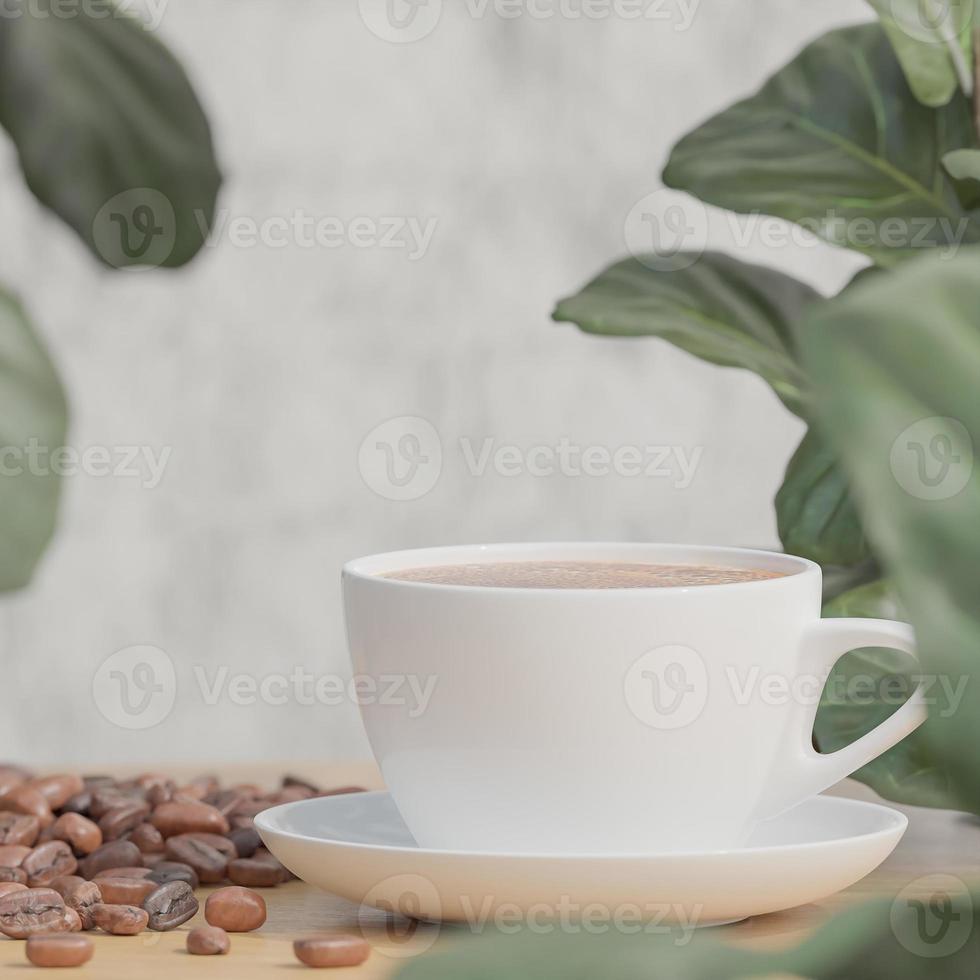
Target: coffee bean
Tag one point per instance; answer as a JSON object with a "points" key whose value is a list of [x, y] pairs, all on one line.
{"points": [[30, 801], [291, 794], [220, 843], [147, 838], [249, 808], [120, 920], [254, 874], [139, 872], [45, 835], [115, 854], [48, 861], [97, 782], [188, 818], [79, 803], [80, 895], [24, 913], [14, 875], [201, 786], [57, 790], [174, 871], [289, 780], [246, 841], [7, 887], [159, 793], [170, 905], [18, 828], [112, 797], [83, 835], [181, 797], [226, 801], [59, 950], [332, 951], [207, 941], [148, 780], [209, 864], [235, 909], [122, 819], [10, 777], [12, 855], [126, 891], [251, 790], [262, 854], [63, 882]]}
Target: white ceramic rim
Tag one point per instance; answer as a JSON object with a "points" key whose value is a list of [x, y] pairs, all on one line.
{"points": [[374, 567], [897, 823]]}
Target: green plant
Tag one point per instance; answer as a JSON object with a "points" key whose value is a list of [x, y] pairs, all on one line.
{"points": [[868, 138], [112, 139], [896, 349], [884, 355]]}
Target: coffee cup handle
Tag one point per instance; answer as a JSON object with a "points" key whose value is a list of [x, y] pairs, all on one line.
{"points": [[804, 772]]}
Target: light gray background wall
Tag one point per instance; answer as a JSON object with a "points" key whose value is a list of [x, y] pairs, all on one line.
{"points": [[262, 369]]}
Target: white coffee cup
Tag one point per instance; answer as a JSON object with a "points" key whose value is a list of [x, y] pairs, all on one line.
{"points": [[602, 720]]}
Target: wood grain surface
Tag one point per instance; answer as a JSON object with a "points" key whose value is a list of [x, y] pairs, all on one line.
{"points": [[936, 842]]}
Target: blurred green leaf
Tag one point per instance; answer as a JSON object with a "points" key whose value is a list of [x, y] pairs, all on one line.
{"points": [[837, 142], [32, 414], [814, 511], [869, 941], [863, 689], [897, 363], [931, 39], [963, 166], [722, 310], [109, 132]]}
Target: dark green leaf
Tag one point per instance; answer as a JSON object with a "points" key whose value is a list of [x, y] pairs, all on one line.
{"points": [[837, 142], [863, 689], [934, 51], [719, 309], [814, 511], [33, 421], [898, 361], [109, 132]]}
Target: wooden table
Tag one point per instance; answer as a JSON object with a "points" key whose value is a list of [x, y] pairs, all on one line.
{"points": [[936, 842]]}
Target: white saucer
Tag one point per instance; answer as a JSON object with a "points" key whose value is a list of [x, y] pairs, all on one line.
{"points": [[357, 846]]}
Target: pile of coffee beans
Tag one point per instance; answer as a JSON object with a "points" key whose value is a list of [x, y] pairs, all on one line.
{"points": [[79, 853]]}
